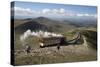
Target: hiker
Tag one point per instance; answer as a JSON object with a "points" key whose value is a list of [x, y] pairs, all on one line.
{"points": [[58, 46], [27, 49]]}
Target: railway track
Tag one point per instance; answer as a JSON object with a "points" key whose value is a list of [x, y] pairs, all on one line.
{"points": [[75, 39]]}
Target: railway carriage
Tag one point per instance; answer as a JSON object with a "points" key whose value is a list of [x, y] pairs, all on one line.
{"points": [[50, 41]]}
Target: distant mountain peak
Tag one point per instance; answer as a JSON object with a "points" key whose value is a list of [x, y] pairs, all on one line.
{"points": [[42, 18]]}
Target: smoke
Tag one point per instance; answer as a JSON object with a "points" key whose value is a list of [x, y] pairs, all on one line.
{"points": [[39, 33], [24, 36]]}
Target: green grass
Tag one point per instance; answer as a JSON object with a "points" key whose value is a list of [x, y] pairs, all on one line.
{"points": [[56, 58]]}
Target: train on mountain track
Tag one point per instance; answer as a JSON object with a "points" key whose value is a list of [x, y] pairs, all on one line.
{"points": [[50, 41]]}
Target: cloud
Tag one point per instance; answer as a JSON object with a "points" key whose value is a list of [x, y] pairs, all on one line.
{"points": [[86, 15], [61, 12], [57, 12], [28, 12], [79, 15], [23, 11], [53, 11], [19, 11], [44, 11], [95, 16]]}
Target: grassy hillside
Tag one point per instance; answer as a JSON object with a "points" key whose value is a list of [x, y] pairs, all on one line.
{"points": [[42, 23], [91, 38], [67, 53]]}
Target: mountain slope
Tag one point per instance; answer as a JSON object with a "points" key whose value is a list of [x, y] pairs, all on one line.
{"points": [[91, 38], [32, 25], [45, 24]]}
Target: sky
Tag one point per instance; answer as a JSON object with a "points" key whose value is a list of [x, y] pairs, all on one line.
{"points": [[32, 10]]}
